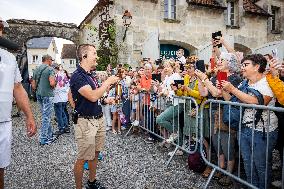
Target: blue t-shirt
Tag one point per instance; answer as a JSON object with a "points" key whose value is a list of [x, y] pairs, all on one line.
{"points": [[83, 106]]}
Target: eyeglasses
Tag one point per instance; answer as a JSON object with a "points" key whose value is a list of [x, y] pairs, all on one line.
{"points": [[245, 64]]}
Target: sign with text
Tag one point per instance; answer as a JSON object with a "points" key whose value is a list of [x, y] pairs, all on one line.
{"points": [[169, 51]]}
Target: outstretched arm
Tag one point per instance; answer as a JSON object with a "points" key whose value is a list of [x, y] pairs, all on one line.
{"points": [[22, 100]]}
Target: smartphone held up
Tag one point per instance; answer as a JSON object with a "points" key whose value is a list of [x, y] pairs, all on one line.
{"points": [[221, 76]]}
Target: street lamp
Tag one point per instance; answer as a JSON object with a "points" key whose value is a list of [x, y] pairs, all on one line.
{"points": [[127, 18]]}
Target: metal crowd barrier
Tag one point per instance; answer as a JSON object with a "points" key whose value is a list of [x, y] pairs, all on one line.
{"points": [[169, 120], [222, 144]]}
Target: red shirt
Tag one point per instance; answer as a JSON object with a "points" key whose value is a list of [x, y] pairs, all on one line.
{"points": [[145, 83]]}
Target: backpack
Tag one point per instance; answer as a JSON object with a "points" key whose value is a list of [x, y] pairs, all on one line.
{"points": [[195, 161], [234, 111]]}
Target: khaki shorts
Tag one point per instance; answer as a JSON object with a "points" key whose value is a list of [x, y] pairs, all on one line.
{"points": [[90, 137]]}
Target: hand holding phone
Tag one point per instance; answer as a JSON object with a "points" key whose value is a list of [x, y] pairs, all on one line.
{"points": [[156, 77], [221, 76], [199, 65], [274, 53], [212, 63]]}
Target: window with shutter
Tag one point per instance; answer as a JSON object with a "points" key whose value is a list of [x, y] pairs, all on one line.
{"points": [[275, 19], [170, 9]]}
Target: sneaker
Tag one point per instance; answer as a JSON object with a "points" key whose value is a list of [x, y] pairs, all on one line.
{"points": [[149, 140], [67, 130], [86, 165], [58, 133], [164, 144], [172, 138], [101, 156], [50, 141], [17, 115], [108, 128], [277, 183], [207, 172], [94, 185], [178, 153], [123, 127], [225, 181], [135, 123]]}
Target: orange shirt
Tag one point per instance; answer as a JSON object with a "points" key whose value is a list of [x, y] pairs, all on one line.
{"points": [[145, 83]]}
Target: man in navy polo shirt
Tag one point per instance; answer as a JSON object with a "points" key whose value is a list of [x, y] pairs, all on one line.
{"points": [[90, 128]]}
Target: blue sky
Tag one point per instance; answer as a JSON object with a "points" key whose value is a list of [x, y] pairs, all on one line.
{"points": [[67, 11]]}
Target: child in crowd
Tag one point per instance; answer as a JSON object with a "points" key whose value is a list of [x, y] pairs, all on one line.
{"points": [[106, 107], [134, 97]]}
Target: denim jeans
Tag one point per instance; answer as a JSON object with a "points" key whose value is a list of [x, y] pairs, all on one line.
{"points": [[258, 160], [46, 105], [60, 114], [169, 118]]}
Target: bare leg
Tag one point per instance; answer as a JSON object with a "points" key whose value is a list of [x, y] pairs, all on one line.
{"points": [[78, 172], [114, 121], [93, 168], [222, 161], [206, 146], [230, 166], [1, 178], [118, 124]]}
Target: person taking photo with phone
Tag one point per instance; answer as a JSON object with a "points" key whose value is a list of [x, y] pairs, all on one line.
{"points": [[228, 70]]}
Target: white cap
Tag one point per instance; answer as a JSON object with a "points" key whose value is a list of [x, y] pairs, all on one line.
{"points": [[6, 25]]}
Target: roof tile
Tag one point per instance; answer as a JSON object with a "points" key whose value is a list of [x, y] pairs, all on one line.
{"points": [[209, 3], [39, 43], [250, 7], [68, 51]]}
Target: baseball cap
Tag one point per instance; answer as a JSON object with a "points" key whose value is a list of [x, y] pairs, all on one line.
{"points": [[5, 24]]}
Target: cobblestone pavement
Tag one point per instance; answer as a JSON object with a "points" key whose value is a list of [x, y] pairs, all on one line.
{"points": [[128, 163]]}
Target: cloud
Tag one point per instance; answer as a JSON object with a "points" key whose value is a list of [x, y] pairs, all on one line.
{"points": [[68, 11]]}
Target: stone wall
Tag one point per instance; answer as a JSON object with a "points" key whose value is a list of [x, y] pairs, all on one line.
{"points": [[20, 30], [192, 29], [266, 4]]}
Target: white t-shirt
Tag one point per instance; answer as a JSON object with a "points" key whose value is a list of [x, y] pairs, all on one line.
{"points": [[167, 86], [263, 87], [9, 75], [62, 88], [182, 60]]}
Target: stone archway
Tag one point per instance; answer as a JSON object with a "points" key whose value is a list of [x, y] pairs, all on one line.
{"points": [[187, 46], [20, 30]]}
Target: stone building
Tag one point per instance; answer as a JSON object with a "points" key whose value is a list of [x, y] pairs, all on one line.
{"points": [[159, 27], [68, 57], [37, 48]]}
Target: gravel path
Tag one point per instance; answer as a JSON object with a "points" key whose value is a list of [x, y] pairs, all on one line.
{"points": [[129, 163]]}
